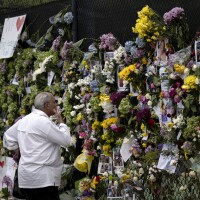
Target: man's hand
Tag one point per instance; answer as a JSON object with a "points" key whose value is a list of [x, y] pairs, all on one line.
{"points": [[58, 115]]}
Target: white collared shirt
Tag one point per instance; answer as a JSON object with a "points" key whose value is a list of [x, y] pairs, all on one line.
{"points": [[39, 141]]}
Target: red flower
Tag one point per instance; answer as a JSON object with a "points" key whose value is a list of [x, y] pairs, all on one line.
{"points": [[151, 123]]}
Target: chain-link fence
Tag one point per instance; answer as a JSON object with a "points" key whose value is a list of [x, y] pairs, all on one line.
{"points": [[37, 16], [98, 17]]}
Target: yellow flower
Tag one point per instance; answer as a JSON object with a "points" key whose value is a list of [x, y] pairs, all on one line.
{"points": [[22, 112], [179, 68], [170, 124], [144, 61], [107, 122], [1, 142], [106, 149], [189, 83], [144, 134], [142, 127], [126, 72], [144, 145], [87, 66], [154, 37], [79, 117], [95, 125], [84, 62], [84, 184], [125, 177], [104, 98]]}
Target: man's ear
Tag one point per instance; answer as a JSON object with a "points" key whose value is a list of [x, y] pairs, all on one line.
{"points": [[46, 105]]}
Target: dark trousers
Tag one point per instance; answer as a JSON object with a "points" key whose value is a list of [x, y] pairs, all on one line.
{"points": [[46, 193]]}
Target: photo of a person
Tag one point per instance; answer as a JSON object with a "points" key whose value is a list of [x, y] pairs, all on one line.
{"points": [[161, 51], [197, 51]]}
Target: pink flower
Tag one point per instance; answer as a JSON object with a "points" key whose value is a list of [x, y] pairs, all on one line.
{"points": [[113, 127], [177, 98], [83, 135]]}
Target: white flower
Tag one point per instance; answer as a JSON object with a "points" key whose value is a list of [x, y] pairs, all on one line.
{"points": [[116, 184], [192, 174], [136, 71], [149, 103], [135, 178], [73, 141], [108, 107], [141, 171], [197, 81], [88, 111], [152, 69], [194, 67], [172, 76], [182, 188], [186, 71], [62, 158], [105, 174], [125, 83], [148, 96], [118, 172], [73, 113], [173, 162], [77, 107], [119, 54], [152, 178], [98, 147]]}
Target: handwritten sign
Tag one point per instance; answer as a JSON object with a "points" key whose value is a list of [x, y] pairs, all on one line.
{"points": [[11, 31], [7, 169]]}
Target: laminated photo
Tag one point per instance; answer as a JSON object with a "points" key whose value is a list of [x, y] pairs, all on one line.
{"points": [[108, 56], [120, 82], [197, 52], [105, 164], [114, 192], [168, 158], [117, 159]]}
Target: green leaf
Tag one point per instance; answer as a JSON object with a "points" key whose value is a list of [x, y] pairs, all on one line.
{"points": [[194, 108], [78, 44]]}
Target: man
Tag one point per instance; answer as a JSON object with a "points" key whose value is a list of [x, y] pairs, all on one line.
{"points": [[39, 141]]}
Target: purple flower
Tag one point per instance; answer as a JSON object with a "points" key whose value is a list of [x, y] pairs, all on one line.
{"points": [[135, 148], [56, 43], [172, 92], [143, 99], [148, 149], [116, 128], [177, 99], [173, 14], [3, 67], [144, 114], [7, 181], [65, 49], [108, 41], [190, 64], [116, 97], [86, 98], [128, 59], [160, 146], [86, 193]]}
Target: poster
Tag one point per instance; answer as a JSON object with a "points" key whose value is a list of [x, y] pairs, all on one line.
{"points": [[11, 32], [7, 172]]}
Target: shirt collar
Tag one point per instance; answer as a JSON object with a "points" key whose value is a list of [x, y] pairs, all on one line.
{"points": [[39, 112]]}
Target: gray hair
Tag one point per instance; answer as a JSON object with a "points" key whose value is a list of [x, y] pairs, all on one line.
{"points": [[41, 99]]}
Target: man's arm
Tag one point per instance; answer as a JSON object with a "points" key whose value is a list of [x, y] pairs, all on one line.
{"points": [[59, 134], [10, 140]]}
